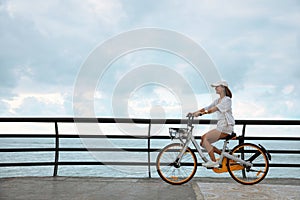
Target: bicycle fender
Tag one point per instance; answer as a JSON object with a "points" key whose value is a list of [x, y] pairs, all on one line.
{"points": [[265, 151]]}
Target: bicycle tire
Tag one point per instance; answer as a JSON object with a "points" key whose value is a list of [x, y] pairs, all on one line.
{"points": [[176, 174], [248, 175]]}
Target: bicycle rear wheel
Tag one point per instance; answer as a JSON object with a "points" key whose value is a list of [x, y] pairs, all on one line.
{"points": [[172, 172], [248, 175]]}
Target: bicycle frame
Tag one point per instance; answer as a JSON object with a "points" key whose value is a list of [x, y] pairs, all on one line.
{"points": [[191, 139]]}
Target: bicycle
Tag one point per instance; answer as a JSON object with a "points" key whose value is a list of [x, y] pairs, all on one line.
{"points": [[176, 164]]}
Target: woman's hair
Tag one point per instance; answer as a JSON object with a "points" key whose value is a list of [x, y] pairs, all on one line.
{"points": [[228, 92]]}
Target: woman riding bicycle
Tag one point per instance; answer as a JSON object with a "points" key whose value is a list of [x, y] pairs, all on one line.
{"points": [[222, 106]]}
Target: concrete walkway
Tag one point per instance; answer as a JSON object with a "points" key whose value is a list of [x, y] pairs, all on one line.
{"points": [[82, 188]]}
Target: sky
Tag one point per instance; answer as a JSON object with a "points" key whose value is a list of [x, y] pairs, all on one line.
{"points": [[254, 46]]}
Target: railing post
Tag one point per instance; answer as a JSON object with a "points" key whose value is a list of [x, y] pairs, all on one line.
{"points": [[241, 139], [56, 150], [149, 146]]}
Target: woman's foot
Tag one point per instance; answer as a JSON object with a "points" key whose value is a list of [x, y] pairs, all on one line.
{"points": [[211, 164]]}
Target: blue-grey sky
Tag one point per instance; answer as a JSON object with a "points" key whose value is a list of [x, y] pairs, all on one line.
{"points": [[255, 46]]}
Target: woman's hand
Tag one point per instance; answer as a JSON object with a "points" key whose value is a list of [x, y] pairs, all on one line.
{"points": [[197, 113], [201, 112]]}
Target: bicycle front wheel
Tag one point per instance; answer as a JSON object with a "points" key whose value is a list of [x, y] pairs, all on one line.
{"points": [[253, 154], [173, 172]]}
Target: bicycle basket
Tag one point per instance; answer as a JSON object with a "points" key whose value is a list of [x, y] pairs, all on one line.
{"points": [[178, 133]]}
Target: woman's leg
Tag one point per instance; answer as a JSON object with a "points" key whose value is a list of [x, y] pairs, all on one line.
{"points": [[209, 138]]}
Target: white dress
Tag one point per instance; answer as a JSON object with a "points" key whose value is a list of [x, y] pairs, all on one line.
{"points": [[224, 114]]}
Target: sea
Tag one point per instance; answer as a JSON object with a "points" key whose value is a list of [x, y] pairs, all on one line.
{"points": [[123, 156]]}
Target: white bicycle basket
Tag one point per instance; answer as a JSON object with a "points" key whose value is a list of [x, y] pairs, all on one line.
{"points": [[178, 133]]}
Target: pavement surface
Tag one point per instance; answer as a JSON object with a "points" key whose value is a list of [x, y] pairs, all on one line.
{"points": [[89, 188]]}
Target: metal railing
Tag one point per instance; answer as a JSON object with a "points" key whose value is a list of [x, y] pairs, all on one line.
{"points": [[57, 136]]}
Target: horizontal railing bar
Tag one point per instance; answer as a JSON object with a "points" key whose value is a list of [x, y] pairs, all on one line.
{"points": [[83, 136], [284, 151], [113, 149], [26, 164], [113, 163], [81, 149], [26, 149], [283, 165], [26, 136], [73, 163], [278, 151], [271, 138], [267, 122], [129, 137], [105, 163], [143, 121]]}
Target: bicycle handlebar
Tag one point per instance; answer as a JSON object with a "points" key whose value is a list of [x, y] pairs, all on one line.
{"points": [[190, 117]]}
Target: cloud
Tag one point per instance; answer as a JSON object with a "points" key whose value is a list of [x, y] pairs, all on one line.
{"points": [[158, 102], [288, 89], [109, 12], [50, 39], [37, 104], [8, 82], [255, 45], [65, 18], [261, 101], [43, 45]]}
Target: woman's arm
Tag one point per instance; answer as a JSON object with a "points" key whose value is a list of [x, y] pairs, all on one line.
{"points": [[212, 110], [203, 111], [206, 110]]}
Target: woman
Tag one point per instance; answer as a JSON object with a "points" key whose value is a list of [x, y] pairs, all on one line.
{"points": [[222, 106]]}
